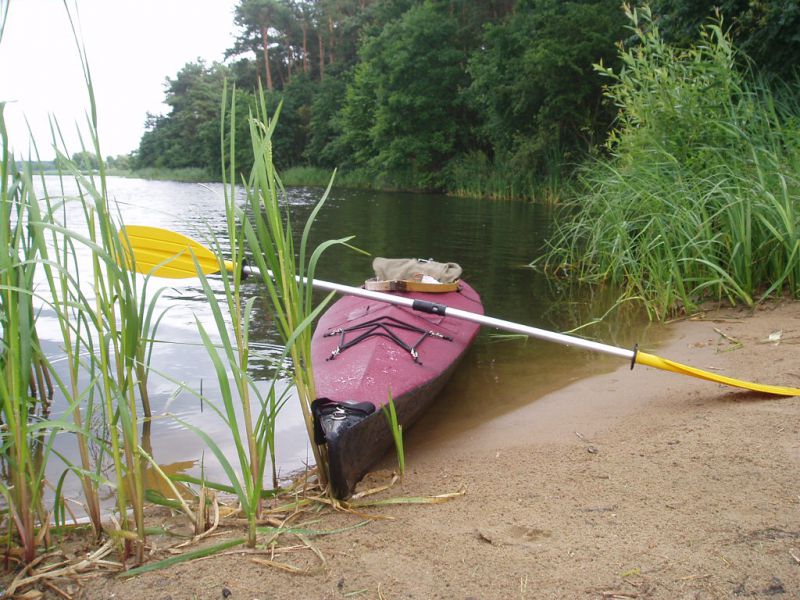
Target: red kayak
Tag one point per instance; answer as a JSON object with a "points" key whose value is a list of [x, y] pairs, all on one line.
{"points": [[364, 350]]}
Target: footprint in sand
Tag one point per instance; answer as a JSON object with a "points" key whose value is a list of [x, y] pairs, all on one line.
{"points": [[514, 535]]}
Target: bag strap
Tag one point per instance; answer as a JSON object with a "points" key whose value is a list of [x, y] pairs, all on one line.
{"points": [[410, 286]]}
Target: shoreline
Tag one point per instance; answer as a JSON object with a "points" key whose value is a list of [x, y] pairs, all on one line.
{"points": [[629, 484]]}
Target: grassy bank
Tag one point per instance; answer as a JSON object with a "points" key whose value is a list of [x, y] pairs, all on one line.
{"points": [[504, 178], [188, 175], [471, 177], [700, 199]]}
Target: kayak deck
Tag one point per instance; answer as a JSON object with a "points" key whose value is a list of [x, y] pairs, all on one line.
{"points": [[363, 352]]}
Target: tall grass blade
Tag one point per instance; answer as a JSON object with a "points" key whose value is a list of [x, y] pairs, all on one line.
{"points": [[268, 229], [182, 558]]}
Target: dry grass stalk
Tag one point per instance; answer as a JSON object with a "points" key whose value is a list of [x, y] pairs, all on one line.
{"points": [[63, 569], [293, 569], [293, 514], [56, 590], [202, 517], [437, 499], [376, 490]]}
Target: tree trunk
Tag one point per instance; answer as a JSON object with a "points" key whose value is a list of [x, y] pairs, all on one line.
{"points": [[265, 41], [332, 44], [305, 47], [321, 57]]}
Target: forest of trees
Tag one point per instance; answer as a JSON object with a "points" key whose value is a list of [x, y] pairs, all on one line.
{"points": [[490, 97]]}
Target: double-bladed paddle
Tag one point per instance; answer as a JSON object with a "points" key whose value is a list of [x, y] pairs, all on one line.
{"points": [[169, 254]]}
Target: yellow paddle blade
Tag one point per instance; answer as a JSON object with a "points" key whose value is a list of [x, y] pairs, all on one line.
{"points": [[166, 253], [642, 358]]}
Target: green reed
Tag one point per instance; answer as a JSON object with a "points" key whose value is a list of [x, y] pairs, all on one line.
{"points": [[107, 321], [124, 320], [18, 356], [248, 413], [390, 412], [286, 270], [28, 431], [114, 325], [62, 274], [252, 434], [698, 199], [17, 322], [106, 325], [254, 437]]}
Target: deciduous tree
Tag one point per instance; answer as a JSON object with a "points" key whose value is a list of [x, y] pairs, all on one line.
{"points": [[534, 82], [402, 112]]}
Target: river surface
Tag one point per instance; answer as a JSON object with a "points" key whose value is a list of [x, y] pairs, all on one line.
{"points": [[494, 242]]}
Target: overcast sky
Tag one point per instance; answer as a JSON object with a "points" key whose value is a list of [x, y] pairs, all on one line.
{"points": [[132, 47]]}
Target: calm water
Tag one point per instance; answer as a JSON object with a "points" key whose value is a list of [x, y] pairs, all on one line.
{"points": [[493, 242]]}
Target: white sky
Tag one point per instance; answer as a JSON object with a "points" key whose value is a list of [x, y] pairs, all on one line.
{"points": [[132, 47]]}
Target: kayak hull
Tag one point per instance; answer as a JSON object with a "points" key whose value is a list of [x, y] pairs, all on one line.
{"points": [[363, 353]]}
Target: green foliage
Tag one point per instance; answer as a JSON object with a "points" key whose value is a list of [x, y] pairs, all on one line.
{"points": [[671, 99], [354, 145], [767, 31], [534, 83], [414, 94], [333, 114], [290, 140], [121, 162], [85, 161], [188, 136], [402, 116], [258, 20], [700, 198], [236, 128], [325, 146]]}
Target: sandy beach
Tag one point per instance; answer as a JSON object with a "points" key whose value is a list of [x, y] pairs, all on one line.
{"points": [[630, 484]]}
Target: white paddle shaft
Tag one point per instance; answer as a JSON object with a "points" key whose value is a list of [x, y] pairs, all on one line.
{"points": [[435, 308]]}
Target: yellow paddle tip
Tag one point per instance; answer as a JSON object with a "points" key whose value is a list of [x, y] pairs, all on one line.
{"points": [[651, 360]]}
